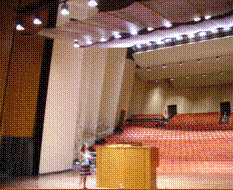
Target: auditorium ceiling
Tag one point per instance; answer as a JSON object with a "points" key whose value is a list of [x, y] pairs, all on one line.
{"points": [[144, 21]]}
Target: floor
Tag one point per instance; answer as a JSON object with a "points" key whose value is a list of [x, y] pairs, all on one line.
{"points": [[70, 180], [188, 160]]}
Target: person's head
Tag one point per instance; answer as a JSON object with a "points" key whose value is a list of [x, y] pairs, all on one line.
{"points": [[84, 147]]}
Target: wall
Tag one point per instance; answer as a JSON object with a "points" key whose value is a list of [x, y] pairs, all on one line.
{"points": [[137, 97], [126, 88], [155, 97], [61, 108], [113, 76]]}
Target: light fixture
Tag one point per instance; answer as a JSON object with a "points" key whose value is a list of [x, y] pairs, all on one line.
{"points": [[197, 19], [19, 25], [191, 35], [207, 17], [168, 24], [217, 57], [214, 30], [138, 45], [103, 39], [178, 37], [156, 80], [148, 69], [187, 77], [180, 63], [117, 35], [198, 60], [159, 42], [172, 79], [149, 43], [202, 33], [227, 29], [75, 44], [204, 75], [134, 32], [64, 9], [164, 66], [168, 40], [92, 3], [221, 73], [89, 42], [37, 19], [150, 29]]}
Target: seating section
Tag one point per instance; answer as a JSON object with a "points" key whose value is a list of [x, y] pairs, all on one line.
{"points": [[155, 116], [179, 144], [145, 120], [198, 121]]}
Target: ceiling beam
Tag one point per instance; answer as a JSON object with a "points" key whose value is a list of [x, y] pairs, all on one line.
{"points": [[194, 8]]}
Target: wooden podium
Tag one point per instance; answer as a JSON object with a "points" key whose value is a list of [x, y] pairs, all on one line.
{"points": [[126, 167]]}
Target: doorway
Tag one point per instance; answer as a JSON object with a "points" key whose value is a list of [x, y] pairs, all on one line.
{"points": [[171, 110], [225, 109]]}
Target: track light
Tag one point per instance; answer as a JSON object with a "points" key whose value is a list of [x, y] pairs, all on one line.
{"points": [[76, 45], [197, 19], [117, 35], [134, 32], [92, 3], [89, 42], [168, 24], [37, 19], [64, 9], [207, 17], [150, 29], [202, 33], [103, 39], [19, 25]]}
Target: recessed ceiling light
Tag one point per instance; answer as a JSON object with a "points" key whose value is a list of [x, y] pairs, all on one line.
{"points": [[172, 79], [37, 19], [187, 77], [207, 17], [19, 26], [64, 9], [164, 66], [156, 80], [148, 69], [103, 39], [214, 30], [198, 60], [138, 45], [217, 57], [180, 63], [76, 45], [89, 42], [117, 35], [150, 29], [134, 32], [197, 19], [168, 24], [92, 3], [202, 33], [221, 73], [204, 75], [191, 35]]}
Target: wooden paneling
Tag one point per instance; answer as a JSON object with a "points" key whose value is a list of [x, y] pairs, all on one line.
{"points": [[21, 60], [125, 166]]}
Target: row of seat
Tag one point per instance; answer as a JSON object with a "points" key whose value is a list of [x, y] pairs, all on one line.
{"points": [[199, 121], [149, 116]]}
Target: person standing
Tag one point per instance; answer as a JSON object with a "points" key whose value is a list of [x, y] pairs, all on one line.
{"points": [[85, 170]]}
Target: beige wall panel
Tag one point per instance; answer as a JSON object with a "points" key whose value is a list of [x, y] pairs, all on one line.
{"points": [[111, 87], [61, 108], [126, 87]]}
